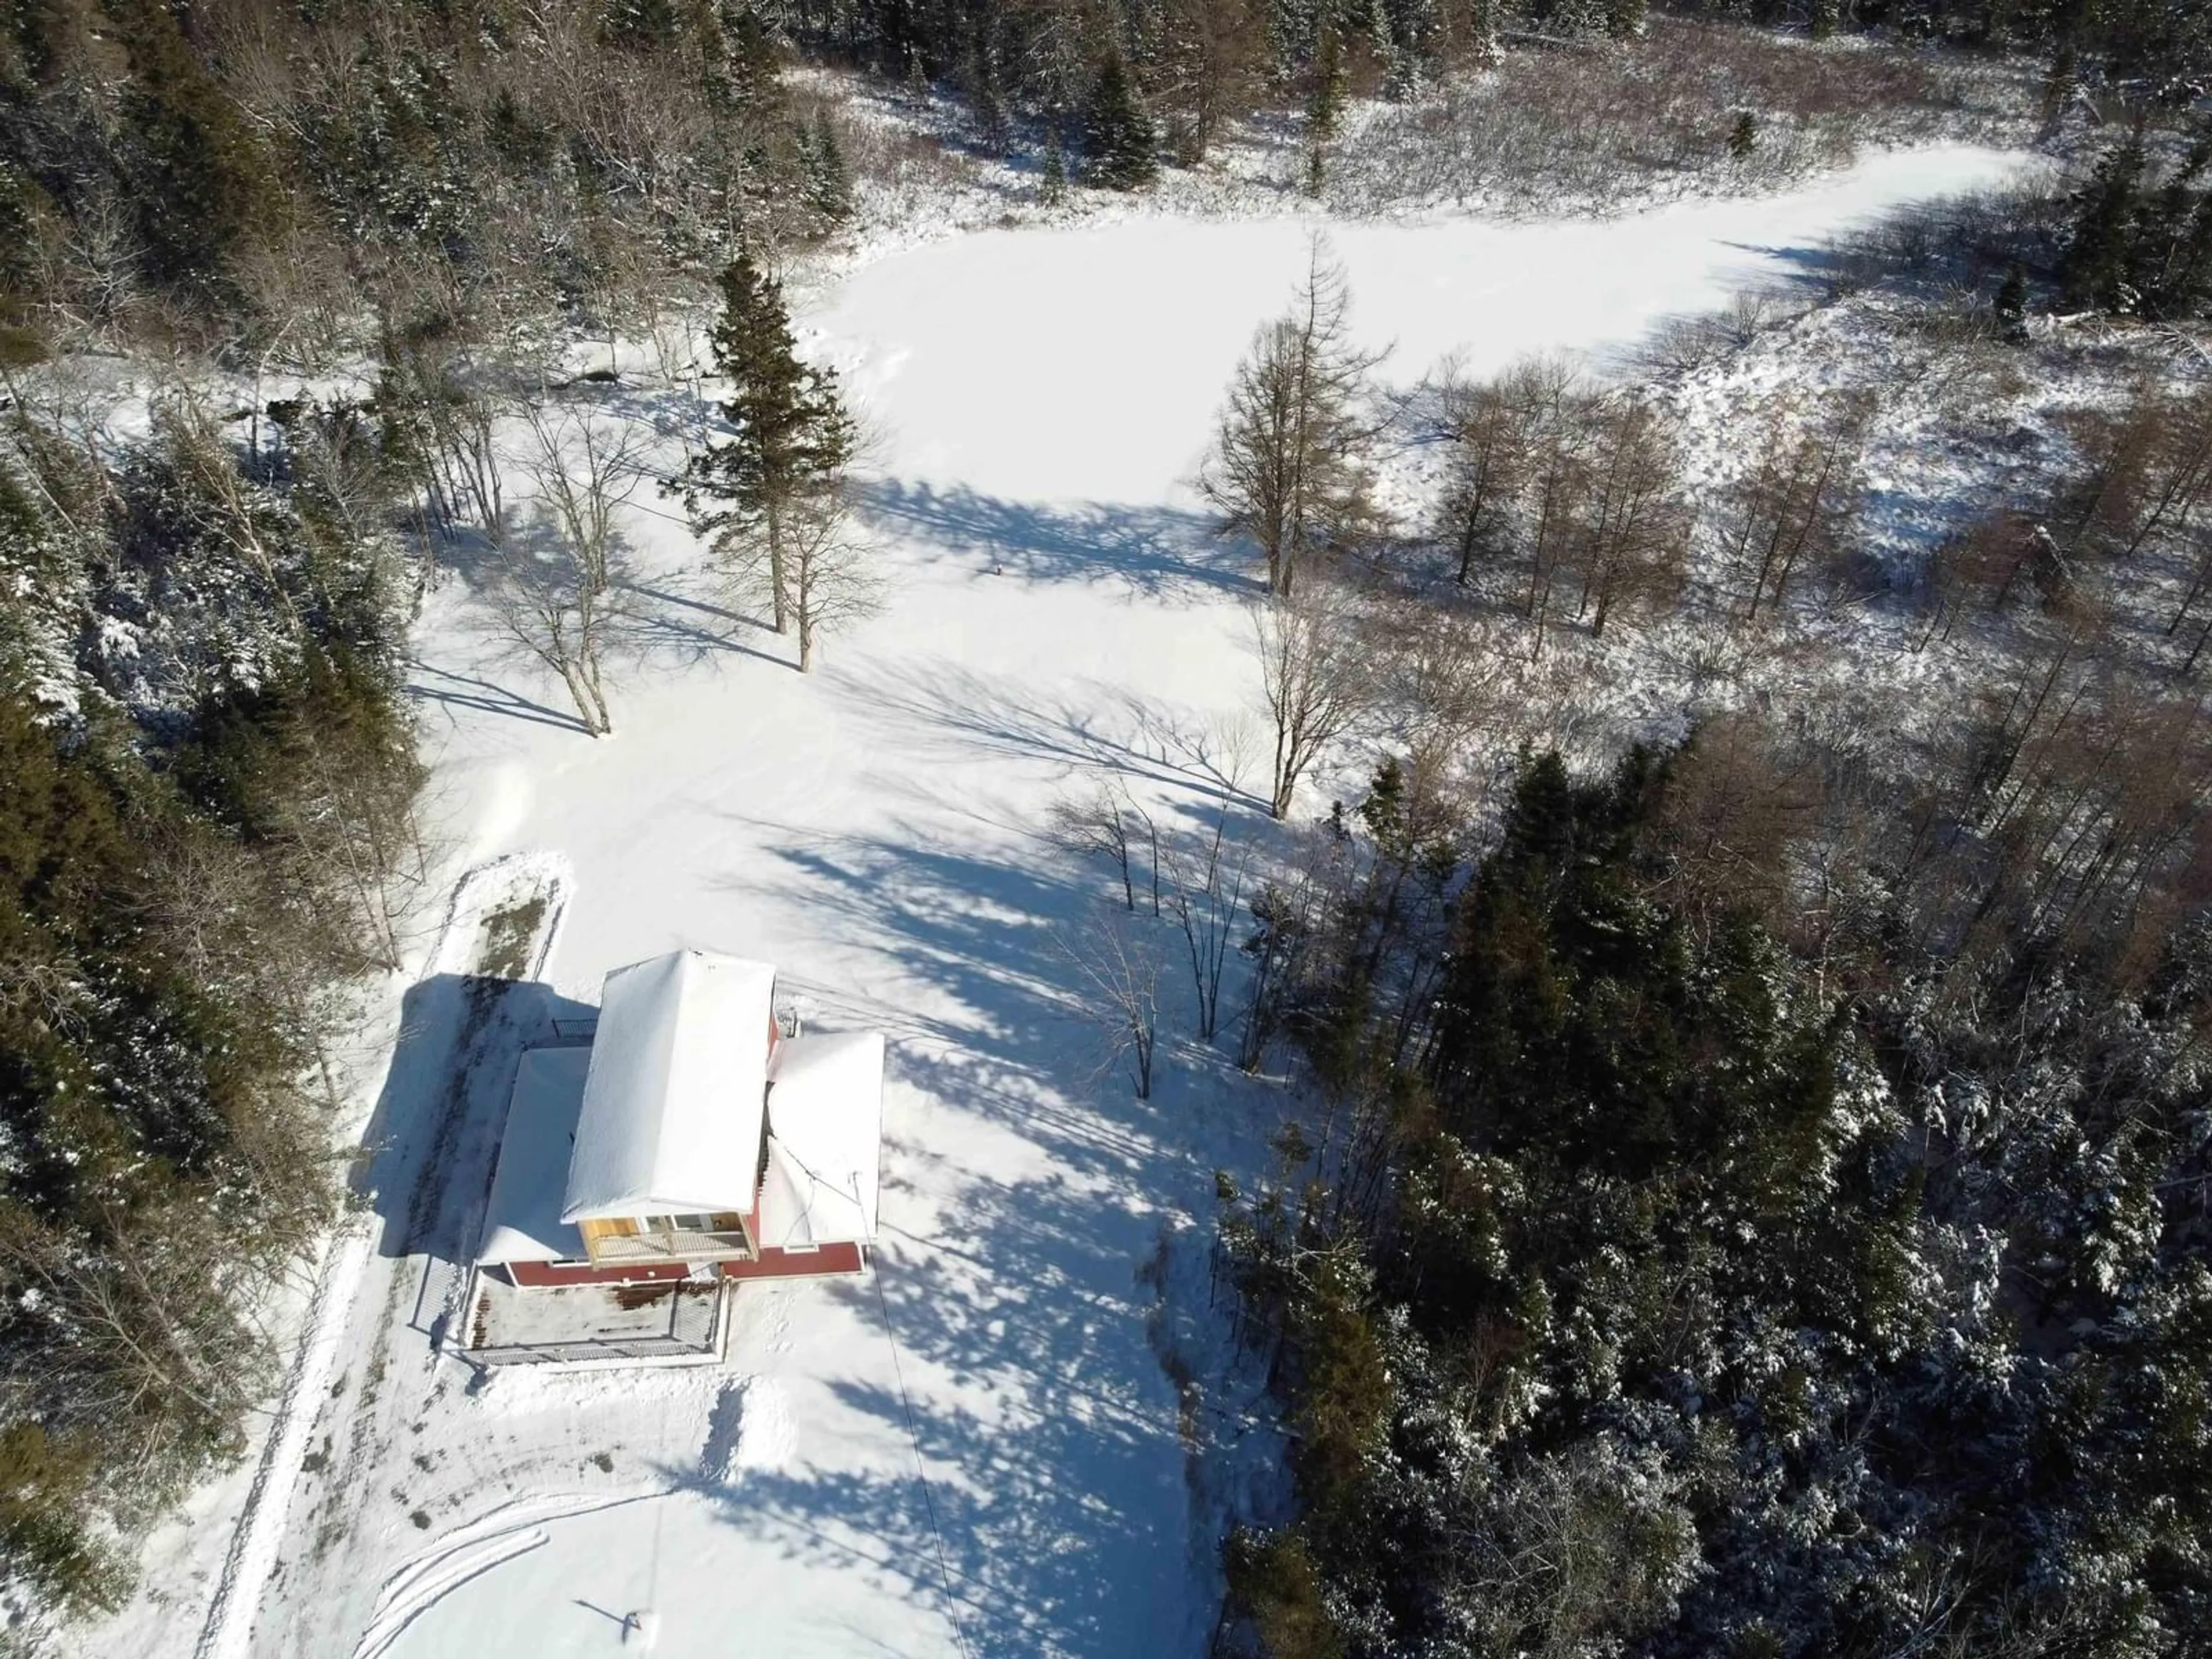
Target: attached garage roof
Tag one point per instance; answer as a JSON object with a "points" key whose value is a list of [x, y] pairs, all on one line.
{"points": [[671, 1120], [522, 1220], [826, 1124]]}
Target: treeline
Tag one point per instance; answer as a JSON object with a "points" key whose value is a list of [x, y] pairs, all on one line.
{"points": [[264, 181], [1741, 1217], [1200, 58], [1750, 1198], [210, 777], [289, 184]]}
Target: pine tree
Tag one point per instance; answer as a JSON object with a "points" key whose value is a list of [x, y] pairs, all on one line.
{"points": [[1052, 189], [1325, 101], [790, 436], [822, 159], [198, 178], [2011, 306], [1743, 137], [1118, 135], [2102, 244], [2167, 263]]}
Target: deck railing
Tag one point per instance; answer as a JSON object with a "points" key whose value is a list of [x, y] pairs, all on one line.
{"points": [[694, 1332], [669, 1246]]}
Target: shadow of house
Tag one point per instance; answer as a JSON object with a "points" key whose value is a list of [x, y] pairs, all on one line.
{"points": [[433, 1137]]}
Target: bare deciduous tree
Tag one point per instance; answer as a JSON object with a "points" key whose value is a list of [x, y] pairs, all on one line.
{"points": [[554, 589], [1109, 823], [1288, 466], [1315, 677], [1635, 527], [1117, 961], [1494, 427], [828, 565], [1793, 506], [1206, 893]]}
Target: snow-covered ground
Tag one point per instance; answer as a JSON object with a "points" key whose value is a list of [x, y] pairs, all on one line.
{"points": [[979, 1451]]}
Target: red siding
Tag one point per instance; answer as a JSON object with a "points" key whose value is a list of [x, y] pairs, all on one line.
{"points": [[539, 1275], [828, 1260]]}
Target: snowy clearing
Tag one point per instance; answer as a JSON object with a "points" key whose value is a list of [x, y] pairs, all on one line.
{"points": [[979, 1450]]}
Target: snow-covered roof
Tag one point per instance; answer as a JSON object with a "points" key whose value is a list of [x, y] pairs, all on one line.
{"points": [[522, 1220], [671, 1113], [826, 1130]]}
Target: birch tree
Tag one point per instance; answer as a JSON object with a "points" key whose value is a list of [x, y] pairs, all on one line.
{"points": [[1288, 466], [555, 591], [829, 566]]}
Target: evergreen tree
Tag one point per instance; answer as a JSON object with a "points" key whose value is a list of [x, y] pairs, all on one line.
{"points": [[790, 436], [2100, 247], [985, 98], [198, 182], [1118, 137], [1743, 135], [1325, 101], [822, 160], [2011, 305], [1052, 187], [2170, 260]]}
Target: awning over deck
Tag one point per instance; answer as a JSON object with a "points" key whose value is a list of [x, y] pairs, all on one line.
{"points": [[522, 1220], [825, 1133], [671, 1121]]}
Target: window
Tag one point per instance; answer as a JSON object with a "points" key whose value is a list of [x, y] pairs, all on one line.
{"points": [[690, 1224]]}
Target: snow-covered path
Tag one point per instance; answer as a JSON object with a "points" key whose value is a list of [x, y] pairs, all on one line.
{"points": [[1057, 610]]}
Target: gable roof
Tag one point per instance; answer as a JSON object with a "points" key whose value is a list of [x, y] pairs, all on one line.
{"points": [[671, 1120], [522, 1218], [826, 1124]]}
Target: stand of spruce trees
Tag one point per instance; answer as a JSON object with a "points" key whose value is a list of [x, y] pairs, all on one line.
{"points": [[210, 779], [1654, 1288]]}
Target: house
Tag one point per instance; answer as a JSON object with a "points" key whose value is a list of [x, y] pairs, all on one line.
{"points": [[692, 1139]]}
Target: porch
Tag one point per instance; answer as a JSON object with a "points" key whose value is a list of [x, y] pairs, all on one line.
{"points": [[672, 1323]]}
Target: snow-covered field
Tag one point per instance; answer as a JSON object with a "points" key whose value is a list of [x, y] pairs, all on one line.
{"points": [[980, 1451]]}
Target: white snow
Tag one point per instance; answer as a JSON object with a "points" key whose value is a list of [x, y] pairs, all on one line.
{"points": [[522, 1217], [825, 1142], [671, 1115], [977, 1451]]}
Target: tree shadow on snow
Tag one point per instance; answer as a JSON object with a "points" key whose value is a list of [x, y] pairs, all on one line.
{"points": [[451, 689], [1092, 727], [1154, 550], [1059, 1491]]}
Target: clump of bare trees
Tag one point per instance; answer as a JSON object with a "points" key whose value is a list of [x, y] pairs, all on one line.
{"points": [[1559, 492], [1792, 510], [555, 588], [1289, 464]]}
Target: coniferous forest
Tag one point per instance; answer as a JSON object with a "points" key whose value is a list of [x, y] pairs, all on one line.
{"points": [[1716, 1276], [1751, 1198]]}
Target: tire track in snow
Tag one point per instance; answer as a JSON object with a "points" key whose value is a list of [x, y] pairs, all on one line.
{"points": [[258, 1539], [468, 1553], [254, 1546]]}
